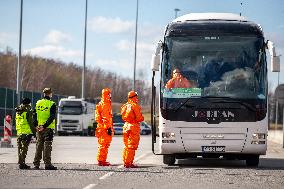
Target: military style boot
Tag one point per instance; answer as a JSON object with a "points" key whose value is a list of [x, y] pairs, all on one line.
{"points": [[24, 166], [50, 167]]}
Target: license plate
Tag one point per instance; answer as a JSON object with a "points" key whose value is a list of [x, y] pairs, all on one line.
{"points": [[213, 148]]}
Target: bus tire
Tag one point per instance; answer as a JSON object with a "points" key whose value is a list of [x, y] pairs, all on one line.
{"points": [[252, 161], [169, 159]]}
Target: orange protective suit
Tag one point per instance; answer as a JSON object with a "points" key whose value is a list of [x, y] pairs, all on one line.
{"points": [[103, 117], [178, 81], [131, 114]]}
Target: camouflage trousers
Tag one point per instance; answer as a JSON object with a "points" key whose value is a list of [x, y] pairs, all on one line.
{"points": [[23, 142], [44, 147]]}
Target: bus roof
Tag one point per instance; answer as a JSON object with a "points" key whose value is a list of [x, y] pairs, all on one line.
{"points": [[210, 16], [204, 24]]}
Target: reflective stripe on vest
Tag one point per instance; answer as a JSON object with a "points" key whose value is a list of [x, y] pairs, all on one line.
{"points": [[43, 112], [22, 124]]}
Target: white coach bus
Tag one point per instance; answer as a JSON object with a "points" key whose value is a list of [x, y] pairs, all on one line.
{"points": [[223, 112], [74, 116]]}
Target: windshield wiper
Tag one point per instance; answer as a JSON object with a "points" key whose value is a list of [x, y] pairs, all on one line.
{"points": [[220, 99], [216, 97], [245, 104], [190, 106]]}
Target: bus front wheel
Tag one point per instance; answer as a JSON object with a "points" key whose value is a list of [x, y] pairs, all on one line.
{"points": [[169, 159], [252, 161]]}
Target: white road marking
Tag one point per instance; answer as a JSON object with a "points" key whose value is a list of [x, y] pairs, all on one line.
{"points": [[106, 175], [90, 186], [121, 166]]}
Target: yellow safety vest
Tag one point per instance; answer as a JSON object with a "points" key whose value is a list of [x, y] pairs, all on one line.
{"points": [[22, 124], [43, 112]]}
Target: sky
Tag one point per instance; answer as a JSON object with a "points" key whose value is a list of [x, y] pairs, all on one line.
{"points": [[55, 28]]}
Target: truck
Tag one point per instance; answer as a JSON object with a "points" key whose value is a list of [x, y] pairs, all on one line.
{"points": [[223, 112], [75, 115]]}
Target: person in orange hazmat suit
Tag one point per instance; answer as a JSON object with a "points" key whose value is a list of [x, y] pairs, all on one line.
{"points": [[178, 81], [104, 130], [131, 114]]}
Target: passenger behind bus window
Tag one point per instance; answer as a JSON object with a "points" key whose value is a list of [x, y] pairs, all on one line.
{"points": [[179, 81]]}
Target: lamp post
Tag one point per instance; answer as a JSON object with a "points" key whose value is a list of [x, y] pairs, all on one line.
{"points": [[279, 94], [135, 45], [19, 86], [176, 11], [241, 8], [276, 116], [84, 62]]}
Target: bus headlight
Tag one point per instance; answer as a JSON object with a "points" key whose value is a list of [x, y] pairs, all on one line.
{"points": [[168, 135], [258, 142], [168, 141], [258, 136]]}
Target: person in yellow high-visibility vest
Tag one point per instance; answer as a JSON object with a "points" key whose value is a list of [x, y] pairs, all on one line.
{"points": [[25, 130], [44, 120]]}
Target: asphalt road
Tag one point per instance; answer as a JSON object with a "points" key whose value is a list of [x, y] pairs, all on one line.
{"points": [[76, 159]]}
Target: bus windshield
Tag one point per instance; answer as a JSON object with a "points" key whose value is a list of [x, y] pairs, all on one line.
{"points": [[70, 107], [214, 66]]}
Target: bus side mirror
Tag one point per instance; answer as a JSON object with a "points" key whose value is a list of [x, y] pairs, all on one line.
{"points": [[275, 64], [155, 62], [275, 60]]}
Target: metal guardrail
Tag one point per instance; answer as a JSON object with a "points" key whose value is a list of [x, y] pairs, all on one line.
{"points": [[8, 102]]}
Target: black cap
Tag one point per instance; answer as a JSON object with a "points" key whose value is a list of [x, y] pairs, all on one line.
{"points": [[47, 91], [26, 101]]}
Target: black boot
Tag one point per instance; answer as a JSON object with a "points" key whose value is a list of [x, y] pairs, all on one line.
{"points": [[50, 167], [36, 167], [24, 166]]}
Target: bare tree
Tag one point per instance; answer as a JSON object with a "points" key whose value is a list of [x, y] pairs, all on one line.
{"points": [[65, 79]]}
